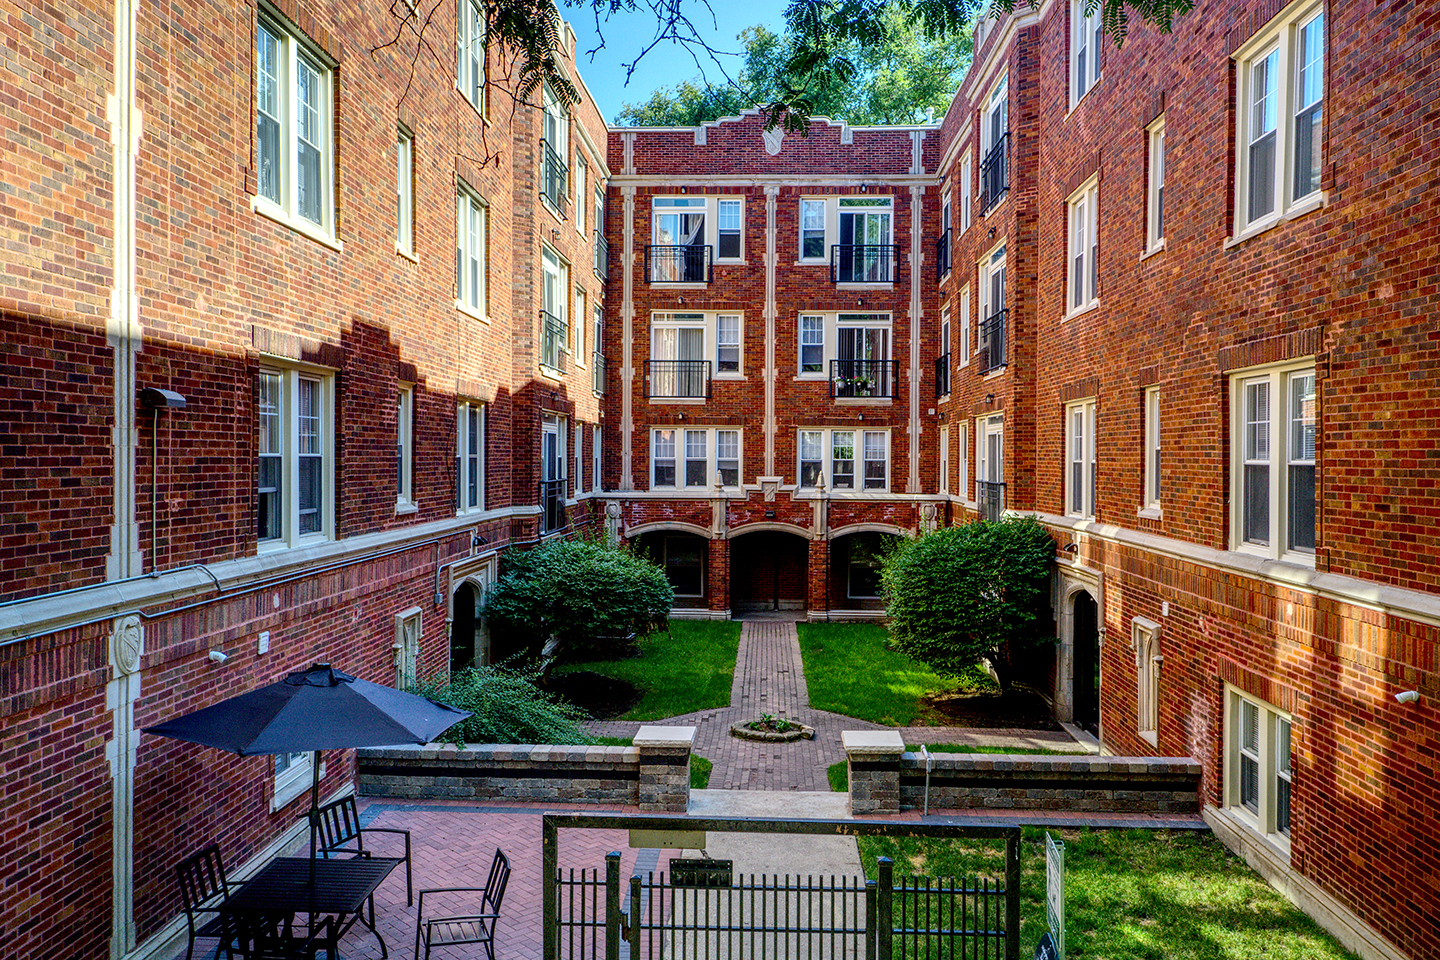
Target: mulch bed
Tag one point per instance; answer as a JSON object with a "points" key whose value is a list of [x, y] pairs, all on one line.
{"points": [[604, 698], [1018, 708]]}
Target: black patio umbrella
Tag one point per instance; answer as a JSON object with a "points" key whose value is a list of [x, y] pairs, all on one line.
{"points": [[313, 710]]}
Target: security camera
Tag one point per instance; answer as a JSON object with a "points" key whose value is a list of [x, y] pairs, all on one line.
{"points": [[1409, 696], [219, 656]]}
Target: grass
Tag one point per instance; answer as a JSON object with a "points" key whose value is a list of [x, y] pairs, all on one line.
{"points": [[691, 669], [850, 671], [839, 774], [699, 767], [1132, 895]]}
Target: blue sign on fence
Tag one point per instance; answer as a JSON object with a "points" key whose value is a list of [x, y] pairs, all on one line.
{"points": [[1045, 949]]}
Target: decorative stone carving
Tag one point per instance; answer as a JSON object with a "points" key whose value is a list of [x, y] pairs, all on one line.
{"points": [[773, 138], [770, 489], [612, 521], [128, 643], [928, 517]]}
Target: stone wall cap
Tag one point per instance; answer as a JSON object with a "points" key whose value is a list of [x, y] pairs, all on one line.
{"points": [[658, 736], [870, 743]]}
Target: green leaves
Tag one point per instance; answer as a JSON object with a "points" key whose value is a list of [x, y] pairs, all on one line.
{"points": [[506, 706]]}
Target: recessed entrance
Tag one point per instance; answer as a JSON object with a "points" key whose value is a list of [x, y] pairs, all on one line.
{"points": [[1085, 676], [768, 571]]}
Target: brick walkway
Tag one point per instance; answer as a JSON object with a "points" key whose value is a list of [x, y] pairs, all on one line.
{"points": [[769, 678]]}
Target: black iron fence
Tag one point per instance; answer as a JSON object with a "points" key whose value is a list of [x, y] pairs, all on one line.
{"points": [[993, 353], [670, 264], [942, 375], [679, 378], [554, 333], [554, 173], [995, 173], [990, 499], [863, 378], [942, 255], [552, 505], [864, 263]]}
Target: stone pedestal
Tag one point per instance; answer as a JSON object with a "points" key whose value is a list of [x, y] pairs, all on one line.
{"points": [[665, 768], [873, 760]]}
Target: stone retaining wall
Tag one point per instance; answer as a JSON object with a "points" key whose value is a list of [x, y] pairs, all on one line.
{"points": [[1163, 785]]}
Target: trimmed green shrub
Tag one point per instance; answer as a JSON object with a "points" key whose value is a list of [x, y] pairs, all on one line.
{"points": [[507, 707], [964, 595]]}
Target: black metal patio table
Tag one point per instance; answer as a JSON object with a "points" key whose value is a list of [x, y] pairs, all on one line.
{"points": [[342, 889]]}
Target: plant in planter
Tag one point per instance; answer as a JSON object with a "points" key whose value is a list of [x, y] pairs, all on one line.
{"points": [[772, 729]]}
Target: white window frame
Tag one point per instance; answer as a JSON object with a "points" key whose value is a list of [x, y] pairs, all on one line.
{"points": [[289, 383], [1082, 270], [1281, 39], [1145, 641], [469, 456], [831, 324], [665, 449], [985, 470], [967, 177], [472, 261], [579, 455], [853, 203], [576, 330], [292, 777], [405, 448], [1270, 446], [962, 477], [1267, 756], [471, 29], [1155, 187], [1086, 32], [1080, 479], [555, 119], [683, 452], [554, 293], [276, 100], [877, 440], [964, 327], [944, 459], [945, 347], [738, 204], [582, 171], [997, 102], [824, 205], [409, 628], [405, 192], [721, 343], [1152, 453], [595, 460]]}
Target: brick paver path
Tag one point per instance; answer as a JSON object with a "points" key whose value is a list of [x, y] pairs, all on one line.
{"points": [[769, 678]]}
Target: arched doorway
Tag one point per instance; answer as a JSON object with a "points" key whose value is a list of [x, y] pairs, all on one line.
{"points": [[469, 640], [769, 570], [685, 559], [855, 562], [1085, 661]]}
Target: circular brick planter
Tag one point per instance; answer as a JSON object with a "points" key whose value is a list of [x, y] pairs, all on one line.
{"points": [[797, 731]]}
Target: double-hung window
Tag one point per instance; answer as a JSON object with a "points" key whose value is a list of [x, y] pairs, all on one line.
{"points": [[662, 457], [728, 230], [694, 458], [471, 267], [966, 177], [1083, 284], [554, 330], [812, 230], [1152, 449], [812, 344], [1085, 36], [1155, 192], [727, 343], [470, 27], [943, 467], [1080, 459], [469, 457], [858, 459], [295, 450], [1258, 765], [990, 465], [404, 191], [1273, 473], [294, 130], [962, 468], [1279, 107], [405, 446], [595, 459], [942, 362], [582, 197], [965, 325], [579, 453]]}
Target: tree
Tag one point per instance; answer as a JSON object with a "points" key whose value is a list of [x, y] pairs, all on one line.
{"points": [[894, 81], [506, 706], [585, 593], [967, 594]]}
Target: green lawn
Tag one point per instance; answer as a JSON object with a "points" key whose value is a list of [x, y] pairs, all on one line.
{"points": [[691, 669], [1132, 895], [849, 671]]}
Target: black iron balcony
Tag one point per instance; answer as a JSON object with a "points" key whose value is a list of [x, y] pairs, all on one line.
{"points": [[679, 378], [942, 375], [602, 255], [993, 354], [995, 173], [552, 505], [864, 263], [554, 174], [852, 379], [597, 368], [554, 333], [668, 264], [942, 255], [990, 499]]}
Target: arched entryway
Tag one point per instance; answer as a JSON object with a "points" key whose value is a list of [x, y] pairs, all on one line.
{"points": [[470, 643], [1085, 662], [685, 559], [855, 562], [769, 570]]}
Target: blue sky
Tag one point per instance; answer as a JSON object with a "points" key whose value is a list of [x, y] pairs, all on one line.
{"points": [[626, 34]]}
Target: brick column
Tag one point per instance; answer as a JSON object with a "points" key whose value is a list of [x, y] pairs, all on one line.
{"points": [[873, 761], [665, 768]]}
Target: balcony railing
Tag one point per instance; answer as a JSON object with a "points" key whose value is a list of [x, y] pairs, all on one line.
{"points": [[851, 379], [993, 354], [552, 505], [864, 263], [995, 173], [990, 499], [942, 375], [942, 255], [666, 264], [553, 176], [602, 255], [554, 333], [679, 378]]}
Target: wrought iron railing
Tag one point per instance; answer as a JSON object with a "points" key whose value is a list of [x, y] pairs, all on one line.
{"points": [[597, 368], [942, 375], [552, 505], [942, 255], [995, 173], [672, 264], [863, 378], [993, 353], [602, 255], [864, 263], [554, 174], [554, 333], [990, 499], [679, 378]]}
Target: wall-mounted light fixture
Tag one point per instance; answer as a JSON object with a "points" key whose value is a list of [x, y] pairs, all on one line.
{"points": [[989, 398]]}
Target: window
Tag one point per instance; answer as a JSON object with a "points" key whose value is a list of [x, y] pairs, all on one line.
{"points": [[965, 326], [863, 562], [404, 191], [1080, 459], [404, 446], [812, 344], [678, 364], [555, 286], [994, 146], [1281, 84], [679, 253], [966, 176], [295, 471], [471, 265], [944, 464], [865, 253], [292, 777], [696, 458], [1152, 448], [293, 131], [727, 233], [579, 327], [597, 346], [553, 431], [595, 459], [727, 344], [942, 362], [684, 558], [990, 466], [812, 230], [1083, 275], [1258, 765], [1274, 471], [581, 195], [407, 647], [470, 26], [872, 456], [554, 150], [1085, 36], [962, 477], [1155, 205], [579, 457], [992, 339], [469, 457], [1145, 638], [861, 364]]}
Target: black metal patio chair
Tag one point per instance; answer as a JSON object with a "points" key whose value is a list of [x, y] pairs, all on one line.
{"points": [[452, 930], [204, 888], [340, 827]]}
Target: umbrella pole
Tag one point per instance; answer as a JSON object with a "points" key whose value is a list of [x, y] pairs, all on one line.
{"points": [[314, 809]]}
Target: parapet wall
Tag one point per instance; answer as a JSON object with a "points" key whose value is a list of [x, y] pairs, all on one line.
{"points": [[1016, 782]]}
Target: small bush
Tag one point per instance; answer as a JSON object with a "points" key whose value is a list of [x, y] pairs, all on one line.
{"points": [[507, 707]]}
